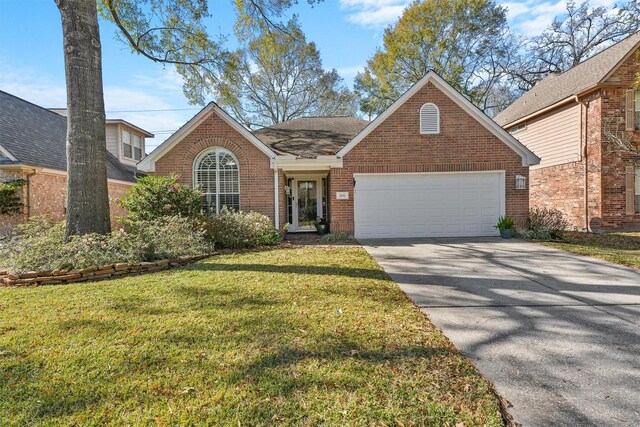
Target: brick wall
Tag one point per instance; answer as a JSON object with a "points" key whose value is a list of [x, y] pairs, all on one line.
{"points": [[47, 197], [613, 161], [563, 186], [397, 146], [256, 175]]}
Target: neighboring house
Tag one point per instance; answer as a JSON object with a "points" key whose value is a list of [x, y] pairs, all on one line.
{"points": [[571, 121], [33, 147], [124, 140], [432, 164]]}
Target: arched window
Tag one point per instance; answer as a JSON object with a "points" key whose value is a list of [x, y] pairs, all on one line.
{"points": [[217, 175], [429, 119]]}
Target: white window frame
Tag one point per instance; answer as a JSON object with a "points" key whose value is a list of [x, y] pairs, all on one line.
{"points": [[136, 142], [430, 105], [130, 144], [218, 152]]}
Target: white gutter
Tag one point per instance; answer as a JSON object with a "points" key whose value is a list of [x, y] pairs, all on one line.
{"points": [[293, 163], [276, 198]]}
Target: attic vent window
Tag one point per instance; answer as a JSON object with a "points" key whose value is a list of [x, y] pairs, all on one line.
{"points": [[429, 119]]}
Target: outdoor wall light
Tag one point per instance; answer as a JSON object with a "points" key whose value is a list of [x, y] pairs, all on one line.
{"points": [[521, 182]]}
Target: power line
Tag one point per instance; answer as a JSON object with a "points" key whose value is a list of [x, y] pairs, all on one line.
{"points": [[151, 111]]}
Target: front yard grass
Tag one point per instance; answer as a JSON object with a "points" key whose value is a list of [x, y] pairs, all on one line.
{"points": [[298, 336], [619, 248]]}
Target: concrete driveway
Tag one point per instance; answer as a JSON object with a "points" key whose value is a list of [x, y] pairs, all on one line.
{"points": [[558, 334]]}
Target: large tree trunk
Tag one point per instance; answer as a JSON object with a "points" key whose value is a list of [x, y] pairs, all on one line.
{"points": [[87, 193]]}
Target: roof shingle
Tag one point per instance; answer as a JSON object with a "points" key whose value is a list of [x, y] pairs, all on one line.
{"points": [[37, 137], [555, 88], [309, 137]]}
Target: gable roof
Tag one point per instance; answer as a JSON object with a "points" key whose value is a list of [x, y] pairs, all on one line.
{"points": [[35, 136], [558, 87], [528, 158], [310, 137], [148, 163]]}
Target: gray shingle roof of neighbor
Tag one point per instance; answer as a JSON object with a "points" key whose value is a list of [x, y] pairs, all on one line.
{"points": [[309, 137], [555, 88], [37, 137]]}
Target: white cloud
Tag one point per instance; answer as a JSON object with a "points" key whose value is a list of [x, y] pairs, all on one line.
{"points": [[373, 13], [33, 87], [349, 73], [531, 17], [148, 93]]}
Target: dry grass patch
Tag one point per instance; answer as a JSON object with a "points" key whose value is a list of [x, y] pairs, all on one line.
{"points": [[619, 248]]}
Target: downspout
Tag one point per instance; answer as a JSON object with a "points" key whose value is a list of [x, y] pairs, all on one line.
{"points": [[29, 193], [276, 198], [585, 158]]}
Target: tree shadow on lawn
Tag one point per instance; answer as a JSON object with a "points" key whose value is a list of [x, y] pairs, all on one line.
{"points": [[362, 273], [274, 366]]}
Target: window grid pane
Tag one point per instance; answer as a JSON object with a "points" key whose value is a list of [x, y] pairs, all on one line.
{"points": [[218, 177]]}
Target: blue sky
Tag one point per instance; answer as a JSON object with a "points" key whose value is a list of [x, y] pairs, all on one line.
{"points": [[347, 33]]}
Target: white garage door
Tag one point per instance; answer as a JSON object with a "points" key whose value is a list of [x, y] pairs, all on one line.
{"points": [[428, 205]]}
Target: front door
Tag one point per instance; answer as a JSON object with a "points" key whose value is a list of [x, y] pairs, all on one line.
{"points": [[307, 205]]}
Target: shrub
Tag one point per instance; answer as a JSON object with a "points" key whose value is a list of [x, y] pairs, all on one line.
{"points": [[337, 237], [39, 245], [171, 237], [10, 200], [237, 230], [505, 223], [547, 223], [155, 197]]}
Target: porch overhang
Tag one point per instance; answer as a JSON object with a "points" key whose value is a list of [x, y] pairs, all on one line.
{"points": [[300, 164]]}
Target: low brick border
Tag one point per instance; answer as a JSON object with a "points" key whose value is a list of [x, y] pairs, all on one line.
{"points": [[94, 273]]}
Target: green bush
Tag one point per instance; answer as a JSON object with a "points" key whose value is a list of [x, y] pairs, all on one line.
{"points": [[237, 230], [505, 223], [10, 200], [171, 237], [545, 223], [155, 197], [39, 245]]}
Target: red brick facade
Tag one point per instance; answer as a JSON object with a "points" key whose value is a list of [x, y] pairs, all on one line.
{"points": [[46, 195], [256, 175], [563, 186], [396, 145]]}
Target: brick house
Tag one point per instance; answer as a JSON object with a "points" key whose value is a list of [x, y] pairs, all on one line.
{"points": [[578, 122], [432, 164], [33, 148]]}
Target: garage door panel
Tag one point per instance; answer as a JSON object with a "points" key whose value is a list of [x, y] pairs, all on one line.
{"points": [[430, 205]]}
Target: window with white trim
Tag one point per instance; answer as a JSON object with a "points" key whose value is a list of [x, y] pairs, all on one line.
{"points": [[131, 145], [216, 173], [127, 148], [137, 147], [429, 119]]}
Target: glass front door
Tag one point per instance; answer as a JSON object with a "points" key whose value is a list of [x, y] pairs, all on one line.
{"points": [[307, 204]]}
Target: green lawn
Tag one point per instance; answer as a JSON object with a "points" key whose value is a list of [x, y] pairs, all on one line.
{"points": [[620, 248], [300, 336]]}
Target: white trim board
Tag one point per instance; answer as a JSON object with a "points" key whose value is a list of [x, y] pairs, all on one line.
{"points": [[7, 154], [528, 157], [147, 164]]}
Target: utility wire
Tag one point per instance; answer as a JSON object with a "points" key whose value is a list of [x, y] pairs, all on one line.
{"points": [[151, 111]]}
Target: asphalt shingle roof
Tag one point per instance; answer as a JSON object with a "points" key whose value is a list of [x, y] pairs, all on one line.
{"points": [[555, 88], [310, 137], [37, 137]]}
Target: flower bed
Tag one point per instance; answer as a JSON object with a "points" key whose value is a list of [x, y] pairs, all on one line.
{"points": [[54, 277]]}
